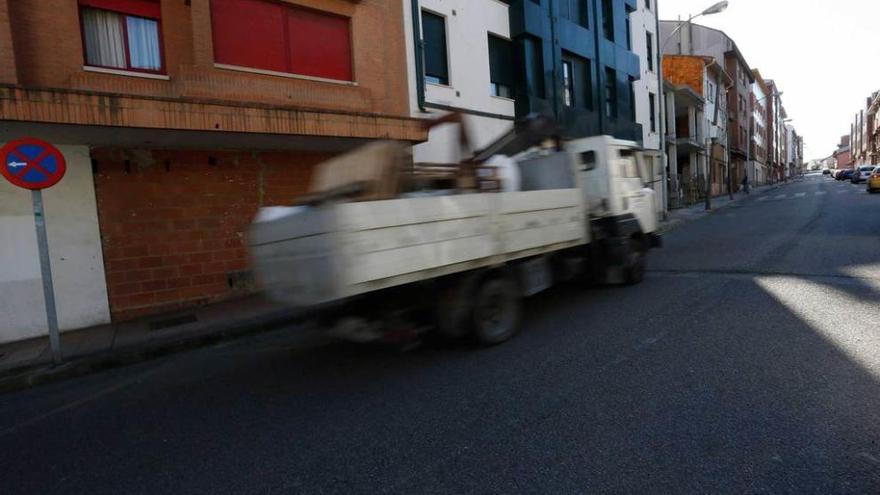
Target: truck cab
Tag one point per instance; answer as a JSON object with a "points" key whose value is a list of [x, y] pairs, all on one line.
{"points": [[614, 178]]}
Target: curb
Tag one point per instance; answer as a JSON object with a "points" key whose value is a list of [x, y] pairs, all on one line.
{"points": [[47, 373]]}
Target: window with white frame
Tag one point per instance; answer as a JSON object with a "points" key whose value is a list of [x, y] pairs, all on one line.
{"points": [[122, 35]]}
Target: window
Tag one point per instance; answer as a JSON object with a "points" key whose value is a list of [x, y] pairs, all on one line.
{"points": [[577, 81], [436, 60], [608, 19], [588, 160], [648, 4], [280, 38], [500, 67], [122, 34], [652, 108], [575, 11], [628, 34], [610, 93], [535, 66], [650, 44], [567, 84]]}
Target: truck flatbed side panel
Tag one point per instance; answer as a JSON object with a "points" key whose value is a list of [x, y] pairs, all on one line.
{"points": [[533, 220], [374, 245], [394, 212]]}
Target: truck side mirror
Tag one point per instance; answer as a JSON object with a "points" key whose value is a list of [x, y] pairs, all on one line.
{"points": [[588, 160]]}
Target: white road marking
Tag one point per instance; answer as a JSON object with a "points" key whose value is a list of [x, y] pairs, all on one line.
{"points": [[763, 198], [800, 194], [781, 196], [820, 193]]}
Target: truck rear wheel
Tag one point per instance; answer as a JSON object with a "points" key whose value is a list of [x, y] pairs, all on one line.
{"points": [[496, 311]]}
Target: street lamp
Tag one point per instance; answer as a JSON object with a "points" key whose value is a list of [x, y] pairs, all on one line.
{"points": [[716, 8]]}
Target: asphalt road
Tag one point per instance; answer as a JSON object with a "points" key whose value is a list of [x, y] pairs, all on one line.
{"points": [[747, 362]]}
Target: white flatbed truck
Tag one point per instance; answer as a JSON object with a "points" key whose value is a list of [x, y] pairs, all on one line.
{"points": [[459, 264]]}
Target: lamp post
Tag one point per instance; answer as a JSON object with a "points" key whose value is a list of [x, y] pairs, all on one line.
{"points": [[715, 8]]}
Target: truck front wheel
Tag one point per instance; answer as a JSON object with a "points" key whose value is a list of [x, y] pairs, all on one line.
{"points": [[496, 311], [634, 270]]}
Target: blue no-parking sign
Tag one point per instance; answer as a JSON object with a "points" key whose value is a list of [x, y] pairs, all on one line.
{"points": [[32, 163]]}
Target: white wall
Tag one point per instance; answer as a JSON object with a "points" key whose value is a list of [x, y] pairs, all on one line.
{"points": [[468, 24], [74, 249], [645, 21]]}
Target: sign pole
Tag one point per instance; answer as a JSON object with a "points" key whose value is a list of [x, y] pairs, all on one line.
{"points": [[34, 164], [46, 270]]}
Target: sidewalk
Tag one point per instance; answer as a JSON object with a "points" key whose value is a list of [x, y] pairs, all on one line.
{"points": [[29, 362], [683, 215]]}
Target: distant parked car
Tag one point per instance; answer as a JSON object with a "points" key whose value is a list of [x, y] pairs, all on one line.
{"points": [[825, 171], [874, 180], [846, 175], [862, 173]]}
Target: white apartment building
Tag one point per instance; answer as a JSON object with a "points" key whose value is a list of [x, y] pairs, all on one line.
{"points": [[757, 167], [645, 42], [459, 58]]}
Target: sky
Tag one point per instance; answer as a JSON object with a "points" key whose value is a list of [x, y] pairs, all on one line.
{"points": [[823, 54]]}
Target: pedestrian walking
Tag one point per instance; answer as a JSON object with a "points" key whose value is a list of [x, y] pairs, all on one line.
{"points": [[745, 184]]}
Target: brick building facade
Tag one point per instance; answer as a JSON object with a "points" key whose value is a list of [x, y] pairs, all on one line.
{"points": [[179, 128]]}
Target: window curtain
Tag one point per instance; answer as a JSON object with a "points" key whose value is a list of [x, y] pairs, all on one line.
{"points": [[104, 43], [143, 43]]}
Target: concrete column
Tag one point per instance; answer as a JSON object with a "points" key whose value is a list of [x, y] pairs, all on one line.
{"points": [[692, 122]]}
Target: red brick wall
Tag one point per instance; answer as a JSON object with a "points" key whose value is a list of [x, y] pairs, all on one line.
{"points": [[173, 226], [8, 71], [684, 70]]}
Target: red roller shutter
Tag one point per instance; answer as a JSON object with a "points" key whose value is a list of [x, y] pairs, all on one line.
{"points": [[320, 44], [277, 37], [249, 33], [140, 8]]}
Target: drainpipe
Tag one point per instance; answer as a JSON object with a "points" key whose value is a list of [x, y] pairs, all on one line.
{"points": [[419, 55]]}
